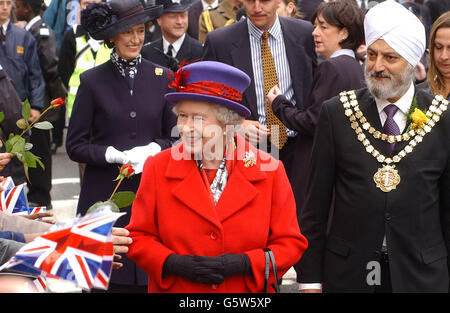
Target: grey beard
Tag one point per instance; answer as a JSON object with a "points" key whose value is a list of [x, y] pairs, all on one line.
{"points": [[396, 86]]}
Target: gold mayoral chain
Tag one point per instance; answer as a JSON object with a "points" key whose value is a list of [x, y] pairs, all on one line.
{"points": [[387, 177]]}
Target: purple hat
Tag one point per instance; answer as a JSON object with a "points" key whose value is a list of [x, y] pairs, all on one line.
{"points": [[212, 82]]}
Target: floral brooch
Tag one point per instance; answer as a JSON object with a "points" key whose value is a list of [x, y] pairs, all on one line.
{"points": [[249, 159]]}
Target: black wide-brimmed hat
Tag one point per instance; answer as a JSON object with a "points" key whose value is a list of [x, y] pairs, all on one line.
{"points": [[173, 5], [103, 20]]}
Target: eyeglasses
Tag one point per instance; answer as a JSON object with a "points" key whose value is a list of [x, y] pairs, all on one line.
{"points": [[5, 3]]}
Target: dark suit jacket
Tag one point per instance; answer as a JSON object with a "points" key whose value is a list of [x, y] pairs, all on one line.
{"points": [[194, 12], [190, 50], [331, 77], [105, 114], [415, 217], [231, 45]]}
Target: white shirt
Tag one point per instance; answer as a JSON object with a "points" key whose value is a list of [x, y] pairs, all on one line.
{"points": [[278, 50], [359, 2], [403, 104], [5, 27], [207, 6], [340, 52], [176, 45]]}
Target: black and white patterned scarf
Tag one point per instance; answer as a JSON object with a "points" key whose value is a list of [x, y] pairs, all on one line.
{"points": [[220, 180], [127, 68]]}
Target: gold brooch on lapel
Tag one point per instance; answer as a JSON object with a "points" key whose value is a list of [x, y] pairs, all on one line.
{"points": [[158, 71], [249, 159]]}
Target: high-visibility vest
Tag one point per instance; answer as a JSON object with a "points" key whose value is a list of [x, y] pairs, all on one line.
{"points": [[84, 60]]}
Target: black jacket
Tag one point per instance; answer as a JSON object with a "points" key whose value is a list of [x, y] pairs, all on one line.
{"points": [[415, 217], [11, 106], [48, 59]]}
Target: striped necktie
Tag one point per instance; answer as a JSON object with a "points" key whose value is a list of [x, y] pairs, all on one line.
{"points": [[270, 80]]}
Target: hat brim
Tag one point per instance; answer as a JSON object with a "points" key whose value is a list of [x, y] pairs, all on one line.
{"points": [[149, 13], [178, 8], [175, 97]]}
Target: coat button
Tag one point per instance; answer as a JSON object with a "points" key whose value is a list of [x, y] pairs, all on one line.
{"points": [[132, 114], [388, 216], [213, 235], [133, 135]]}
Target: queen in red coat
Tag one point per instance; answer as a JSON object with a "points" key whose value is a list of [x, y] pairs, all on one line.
{"points": [[208, 208]]}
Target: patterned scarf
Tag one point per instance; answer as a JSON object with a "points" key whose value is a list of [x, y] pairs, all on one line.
{"points": [[127, 68], [220, 180]]}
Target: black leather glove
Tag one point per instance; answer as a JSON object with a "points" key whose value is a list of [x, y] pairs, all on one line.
{"points": [[235, 264], [207, 270], [200, 269]]}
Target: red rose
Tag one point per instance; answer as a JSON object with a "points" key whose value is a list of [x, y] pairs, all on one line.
{"points": [[126, 170], [57, 103]]}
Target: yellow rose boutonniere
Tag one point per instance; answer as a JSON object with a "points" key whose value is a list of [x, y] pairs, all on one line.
{"points": [[418, 118]]}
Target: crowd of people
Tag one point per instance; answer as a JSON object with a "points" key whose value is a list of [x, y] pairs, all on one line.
{"points": [[314, 132]]}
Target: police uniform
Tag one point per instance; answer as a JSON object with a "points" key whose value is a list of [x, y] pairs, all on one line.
{"points": [[19, 58], [209, 20], [11, 106], [41, 180]]}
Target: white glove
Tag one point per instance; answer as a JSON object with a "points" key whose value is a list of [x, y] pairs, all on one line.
{"points": [[138, 155], [113, 155]]}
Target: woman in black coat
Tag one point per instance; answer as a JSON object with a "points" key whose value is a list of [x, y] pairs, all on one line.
{"points": [[119, 115], [338, 32]]}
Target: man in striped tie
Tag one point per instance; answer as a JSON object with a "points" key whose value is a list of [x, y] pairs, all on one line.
{"points": [[272, 50]]}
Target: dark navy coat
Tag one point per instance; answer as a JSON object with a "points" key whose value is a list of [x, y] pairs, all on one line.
{"points": [[106, 114], [20, 60]]}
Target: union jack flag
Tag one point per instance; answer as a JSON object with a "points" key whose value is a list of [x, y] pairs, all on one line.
{"points": [[13, 201], [79, 250], [37, 209]]}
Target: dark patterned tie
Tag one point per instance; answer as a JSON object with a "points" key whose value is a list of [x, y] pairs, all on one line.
{"points": [[169, 51], [270, 79], [2, 36], [390, 127]]}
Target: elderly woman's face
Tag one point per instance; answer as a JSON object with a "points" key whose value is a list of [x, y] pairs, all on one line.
{"points": [[201, 132], [327, 37], [128, 44], [442, 51]]}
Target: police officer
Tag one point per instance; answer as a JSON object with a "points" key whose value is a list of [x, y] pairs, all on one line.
{"points": [[11, 106], [19, 58], [41, 180]]}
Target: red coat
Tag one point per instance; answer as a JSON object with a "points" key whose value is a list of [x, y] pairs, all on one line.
{"points": [[174, 213]]}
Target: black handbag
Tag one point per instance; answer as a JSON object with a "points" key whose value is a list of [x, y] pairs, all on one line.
{"points": [[268, 254]]}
